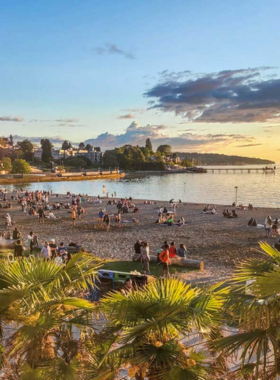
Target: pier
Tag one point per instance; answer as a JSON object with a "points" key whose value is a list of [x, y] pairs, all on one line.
{"points": [[242, 170]]}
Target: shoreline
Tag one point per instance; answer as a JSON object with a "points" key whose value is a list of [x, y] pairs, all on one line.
{"points": [[35, 179]]}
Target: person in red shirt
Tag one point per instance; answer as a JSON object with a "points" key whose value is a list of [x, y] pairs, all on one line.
{"points": [[164, 258], [172, 250]]}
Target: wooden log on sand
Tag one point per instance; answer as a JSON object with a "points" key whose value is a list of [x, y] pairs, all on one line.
{"points": [[180, 261]]}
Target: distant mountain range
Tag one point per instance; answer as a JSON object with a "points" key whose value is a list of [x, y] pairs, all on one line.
{"points": [[222, 159]]}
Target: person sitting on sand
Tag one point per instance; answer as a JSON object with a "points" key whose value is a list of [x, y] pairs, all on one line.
{"points": [[182, 251], [170, 221], [136, 209], [165, 211], [180, 222], [225, 214], [128, 288], [250, 207], [234, 214], [172, 250]]}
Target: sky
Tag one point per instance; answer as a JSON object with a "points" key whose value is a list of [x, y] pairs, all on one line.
{"points": [[199, 75]]}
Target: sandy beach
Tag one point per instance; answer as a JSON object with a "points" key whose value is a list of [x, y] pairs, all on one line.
{"points": [[220, 242]]}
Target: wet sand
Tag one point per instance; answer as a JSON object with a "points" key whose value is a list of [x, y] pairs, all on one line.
{"points": [[220, 242]]}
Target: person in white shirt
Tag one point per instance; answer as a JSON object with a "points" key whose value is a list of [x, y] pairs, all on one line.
{"points": [[268, 225], [46, 251]]}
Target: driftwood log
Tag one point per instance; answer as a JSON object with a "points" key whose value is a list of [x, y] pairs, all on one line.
{"points": [[180, 261]]}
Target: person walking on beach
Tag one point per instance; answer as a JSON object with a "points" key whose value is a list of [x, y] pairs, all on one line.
{"points": [[164, 258], [268, 225], [53, 248], [41, 214], [73, 215], [145, 257]]}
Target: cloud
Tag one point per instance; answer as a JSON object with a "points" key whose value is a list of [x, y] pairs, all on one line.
{"points": [[247, 145], [136, 134], [56, 140], [235, 96], [15, 119], [113, 49], [127, 116], [67, 120]]}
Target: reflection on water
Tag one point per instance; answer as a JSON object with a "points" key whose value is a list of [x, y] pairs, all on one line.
{"points": [[257, 188]]}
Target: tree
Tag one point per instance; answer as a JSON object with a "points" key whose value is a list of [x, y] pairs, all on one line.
{"points": [[36, 298], [88, 147], [253, 306], [11, 140], [110, 158], [97, 148], [149, 326], [82, 145], [7, 164], [148, 145], [76, 162], [27, 149], [47, 150], [187, 163], [21, 166], [164, 149]]}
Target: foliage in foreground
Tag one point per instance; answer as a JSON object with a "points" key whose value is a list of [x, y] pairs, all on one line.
{"points": [[49, 332]]}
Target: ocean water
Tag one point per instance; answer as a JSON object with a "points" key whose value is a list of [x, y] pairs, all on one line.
{"points": [[260, 189]]}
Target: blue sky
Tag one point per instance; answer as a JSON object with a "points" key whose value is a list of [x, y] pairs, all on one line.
{"points": [[92, 61]]}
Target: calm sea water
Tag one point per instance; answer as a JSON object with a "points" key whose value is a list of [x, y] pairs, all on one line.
{"points": [[219, 188]]}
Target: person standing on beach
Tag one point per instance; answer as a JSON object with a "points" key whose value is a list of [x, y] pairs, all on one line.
{"points": [[18, 251], [73, 215], [119, 219], [145, 257], [41, 215], [164, 258], [137, 247], [16, 234], [268, 225]]}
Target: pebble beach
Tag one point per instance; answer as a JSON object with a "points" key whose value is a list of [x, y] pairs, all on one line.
{"points": [[221, 243]]}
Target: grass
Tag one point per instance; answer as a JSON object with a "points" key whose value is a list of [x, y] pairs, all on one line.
{"points": [[120, 266], [128, 266]]}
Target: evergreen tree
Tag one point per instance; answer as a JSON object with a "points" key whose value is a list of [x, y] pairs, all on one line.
{"points": [[47, 150], [81, 146], [27, 149], [149, 144]]}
